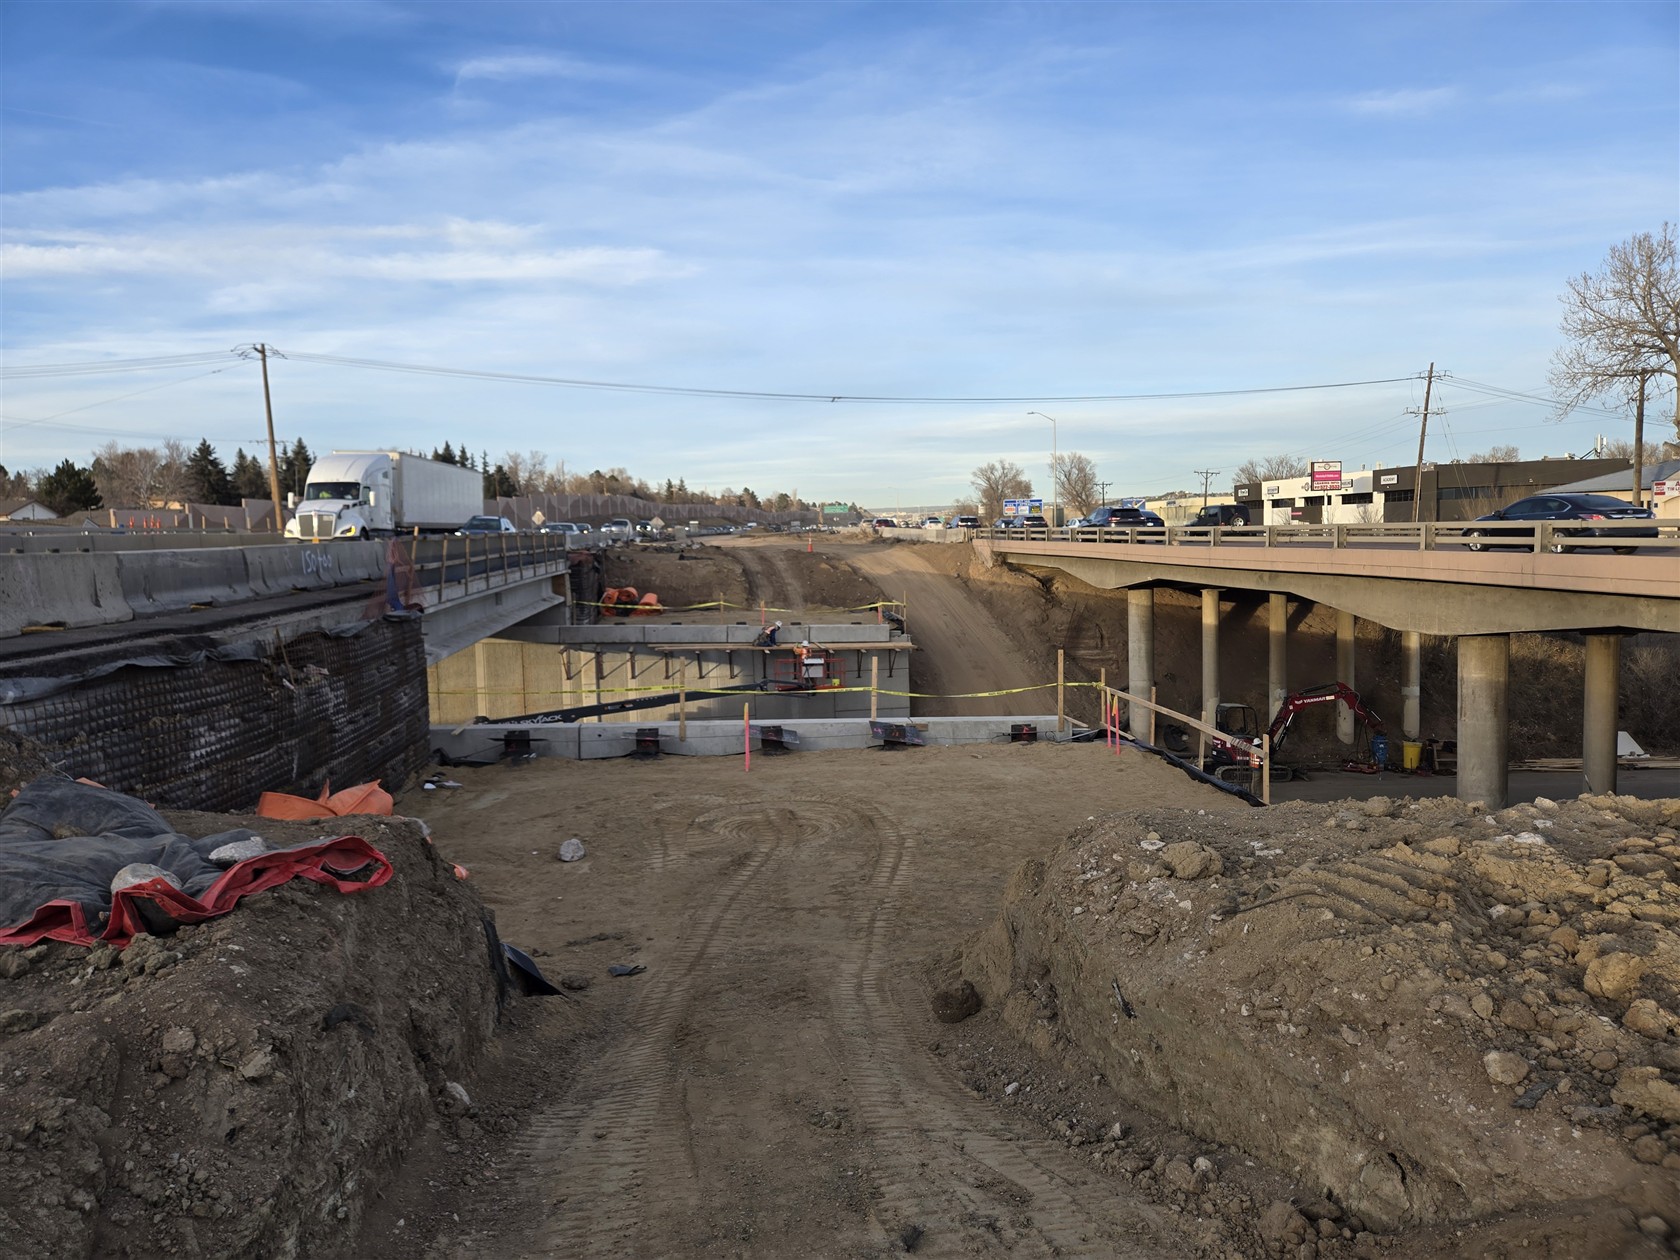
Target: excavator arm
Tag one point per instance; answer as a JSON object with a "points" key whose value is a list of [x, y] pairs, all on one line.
{"points": [[1330, 693]]}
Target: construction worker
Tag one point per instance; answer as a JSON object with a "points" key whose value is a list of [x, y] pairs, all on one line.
{"points": [[767, 636]]}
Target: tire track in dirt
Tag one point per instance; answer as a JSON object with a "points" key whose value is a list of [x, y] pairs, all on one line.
{"points": [[623, 1128], [970, 1187]]}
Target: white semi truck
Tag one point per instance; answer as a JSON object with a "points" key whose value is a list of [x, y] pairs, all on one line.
{"points": [[363, 494]]}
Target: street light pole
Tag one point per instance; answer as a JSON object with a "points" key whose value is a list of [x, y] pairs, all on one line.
{"points": [[1055, 479]]}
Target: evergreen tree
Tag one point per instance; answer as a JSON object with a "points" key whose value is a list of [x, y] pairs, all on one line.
{"points": [[498, 484], [446, 455], [466, 459], [295, 473], [249, 478], [69, 488], [208, 480]]}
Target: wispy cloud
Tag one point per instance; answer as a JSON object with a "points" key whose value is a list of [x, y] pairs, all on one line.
{"points": [[1404, 101], [509, 67]]}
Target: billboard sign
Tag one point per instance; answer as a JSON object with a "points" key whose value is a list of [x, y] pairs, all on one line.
{"points": [[1132, 501], [1022, 507], [1327, 474]]}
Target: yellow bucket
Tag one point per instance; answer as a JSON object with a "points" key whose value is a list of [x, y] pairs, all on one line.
{"points": [[1411, 755]]}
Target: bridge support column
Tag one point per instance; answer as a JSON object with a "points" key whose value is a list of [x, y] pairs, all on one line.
{"points": [[1411, 684], [1344, 673], [1484, 664], [1598, 736], [1210, 654], [1277, 663], [1140, 656]]}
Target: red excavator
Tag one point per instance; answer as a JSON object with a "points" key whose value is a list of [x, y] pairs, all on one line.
{"points": [[1241, 721]]}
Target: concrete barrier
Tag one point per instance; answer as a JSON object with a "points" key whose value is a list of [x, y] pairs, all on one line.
{"points": [[355, 561], [75, 590], [169, 581]]}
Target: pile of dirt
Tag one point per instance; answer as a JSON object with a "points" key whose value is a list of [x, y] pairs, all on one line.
{"points": [[244, 1086], [1431, 1012]]}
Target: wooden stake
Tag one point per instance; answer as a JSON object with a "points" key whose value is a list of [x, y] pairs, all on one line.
{"points": [[1061, 677], [874, 683], [746, 731], [682, 703]]}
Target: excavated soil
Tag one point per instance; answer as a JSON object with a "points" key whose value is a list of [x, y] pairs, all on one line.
{"points": [[1036, 1000]]}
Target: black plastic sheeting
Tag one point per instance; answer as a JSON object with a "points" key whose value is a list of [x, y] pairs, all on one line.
{"points": [[213, 734], [62, 844]]}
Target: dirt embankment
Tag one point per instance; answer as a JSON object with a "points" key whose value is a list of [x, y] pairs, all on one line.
{"points": [[1433, 1013], [246, 1086]]}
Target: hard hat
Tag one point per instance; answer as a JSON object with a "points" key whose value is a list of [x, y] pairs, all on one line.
{"points": [[778, 625]]}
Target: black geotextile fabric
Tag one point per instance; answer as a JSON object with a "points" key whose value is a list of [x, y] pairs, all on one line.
{"points": [[214, 734], [62, 843]]}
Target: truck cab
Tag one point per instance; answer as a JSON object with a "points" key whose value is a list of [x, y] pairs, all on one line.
{"points": [[346, 496]]}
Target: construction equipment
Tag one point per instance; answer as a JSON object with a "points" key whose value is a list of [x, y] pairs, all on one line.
{"points": [[1228, 762]]}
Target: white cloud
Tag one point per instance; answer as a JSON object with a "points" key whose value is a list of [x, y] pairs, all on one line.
{"points": [[1404, 101], [510, 67]]}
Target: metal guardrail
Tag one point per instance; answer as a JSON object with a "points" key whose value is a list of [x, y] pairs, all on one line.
{"points": [[1542, 536], [483, 562]]}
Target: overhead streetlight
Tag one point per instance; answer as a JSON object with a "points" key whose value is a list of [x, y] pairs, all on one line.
{"points": [[1055, 478]]}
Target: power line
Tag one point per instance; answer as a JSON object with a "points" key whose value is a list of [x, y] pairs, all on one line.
{"points": [[103, 367]]}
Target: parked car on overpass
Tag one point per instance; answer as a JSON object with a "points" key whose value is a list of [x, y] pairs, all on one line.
{"points": [[1561, 506], [1123, 518]]}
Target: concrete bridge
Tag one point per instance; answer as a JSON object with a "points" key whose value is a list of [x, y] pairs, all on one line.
{"points": [[1418, 579]]}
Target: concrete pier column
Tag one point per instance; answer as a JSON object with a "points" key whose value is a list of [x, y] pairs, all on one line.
{"points": [[1277, 663], [1411, 684], [1140, 655], [1344, 673], [1210, 654], [1484, 666], [1598, 735]]}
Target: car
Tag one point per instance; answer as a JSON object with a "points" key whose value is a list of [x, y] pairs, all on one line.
{"points": [[572, 530], [1216, 514], [1123, 518], [486, 525], [932, 520], [619, 529], [1561, 506], [884, 522], [1026, 520], [965, 522]]}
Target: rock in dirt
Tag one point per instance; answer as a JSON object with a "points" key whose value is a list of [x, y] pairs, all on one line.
{"points": [[1282, 1226], [572, 850], [1614, 977], [1504, 1068], [956, 1003], [574, 982], [1189, 860], [1647, 1019], [1644, 1090]]}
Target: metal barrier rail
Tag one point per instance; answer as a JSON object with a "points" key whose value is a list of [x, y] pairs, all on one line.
{"points": [[1541, 536], [492, 559]]}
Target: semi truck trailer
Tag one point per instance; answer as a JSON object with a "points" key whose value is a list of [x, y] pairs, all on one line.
{"points": [[368, 494]]}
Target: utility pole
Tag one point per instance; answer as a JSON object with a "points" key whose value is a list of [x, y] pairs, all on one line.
{"points": [[262, 352], [1102, 489], [1417, 477], [1207, 475], [1639, 442]]}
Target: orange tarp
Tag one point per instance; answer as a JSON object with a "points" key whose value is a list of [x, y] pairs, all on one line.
{"points": [[364, 798]]}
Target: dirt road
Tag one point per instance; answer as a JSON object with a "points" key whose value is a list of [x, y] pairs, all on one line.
{"points": [[774, 1084]]}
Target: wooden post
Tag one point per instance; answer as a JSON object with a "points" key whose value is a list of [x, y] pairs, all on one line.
{"points": [[1152, 715], [746, 731], [1266, 767], [874, 683], [682, 703], [1102, 691], [1061, 680]]}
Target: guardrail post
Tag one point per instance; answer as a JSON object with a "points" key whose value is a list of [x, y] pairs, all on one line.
{"points": [[1426, 536], [1338, 536], [1271, 535]]}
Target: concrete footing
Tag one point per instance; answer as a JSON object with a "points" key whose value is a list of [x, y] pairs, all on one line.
{"points": [[591, 741]]}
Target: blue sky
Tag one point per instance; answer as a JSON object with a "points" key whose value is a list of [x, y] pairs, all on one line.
{"points": [[1030, 201]]}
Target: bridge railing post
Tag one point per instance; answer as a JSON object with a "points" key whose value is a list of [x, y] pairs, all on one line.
{"points": [[1338, 536], [1426, 536]]}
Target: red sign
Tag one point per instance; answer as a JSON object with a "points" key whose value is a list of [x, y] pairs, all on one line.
{"points": [[1327, 474]]}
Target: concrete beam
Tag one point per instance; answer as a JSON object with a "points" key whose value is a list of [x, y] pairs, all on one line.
{"points": [[1277, 658], [1484, 664], [1598, 735], [1387, 586], [1140, 658], [1345, 673], [464, 620]]}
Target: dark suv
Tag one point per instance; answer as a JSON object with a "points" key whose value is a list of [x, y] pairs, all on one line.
{"points": [[1123, 518], [1222, 514], [1569, 507]]}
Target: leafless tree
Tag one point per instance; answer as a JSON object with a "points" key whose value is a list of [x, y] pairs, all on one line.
{"points": [[1076, 482], [1622, 325], [1271, 468], [1495, 455], [1653, 452], [999, 480]]}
